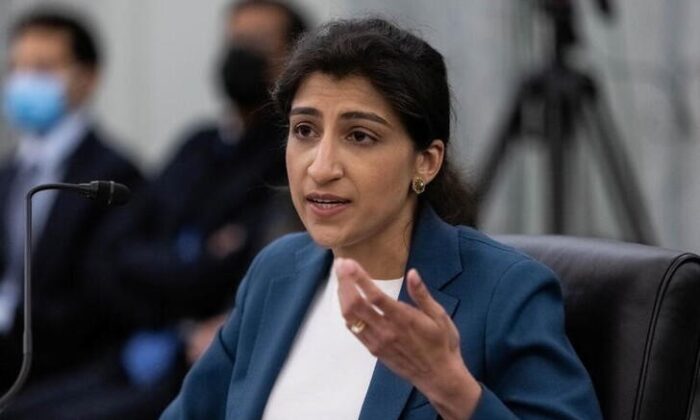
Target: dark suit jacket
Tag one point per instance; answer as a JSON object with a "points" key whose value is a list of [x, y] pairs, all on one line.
{"points": [[159, 269], [507, 308], [65, 328]]}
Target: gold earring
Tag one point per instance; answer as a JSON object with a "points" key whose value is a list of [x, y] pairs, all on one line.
{"points": [[418, 185]]}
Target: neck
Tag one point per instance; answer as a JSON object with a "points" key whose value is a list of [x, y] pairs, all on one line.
{"points": [[384, 256]]}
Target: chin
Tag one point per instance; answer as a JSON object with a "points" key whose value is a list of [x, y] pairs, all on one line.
{"points": [[326, 238]]}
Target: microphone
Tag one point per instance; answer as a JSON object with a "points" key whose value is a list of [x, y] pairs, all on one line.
{"points": [[107, 193]]}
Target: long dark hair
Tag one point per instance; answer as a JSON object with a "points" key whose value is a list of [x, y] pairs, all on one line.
{"points": [[408, 72]]}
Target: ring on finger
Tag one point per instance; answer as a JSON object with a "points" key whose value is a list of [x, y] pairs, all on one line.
{"points": [[358, 327]]}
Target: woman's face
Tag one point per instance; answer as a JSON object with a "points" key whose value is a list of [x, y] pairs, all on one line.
{"points": [[350, 163]]}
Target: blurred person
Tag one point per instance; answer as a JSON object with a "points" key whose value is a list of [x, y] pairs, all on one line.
{"points": [[390, 307], [191, 237], [203, 217], [54, 69]]}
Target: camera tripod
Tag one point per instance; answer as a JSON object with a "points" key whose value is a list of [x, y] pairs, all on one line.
{"points": [[565, 100]]}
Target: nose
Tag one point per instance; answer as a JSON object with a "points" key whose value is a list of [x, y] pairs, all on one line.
{"points": [[326, 166]]}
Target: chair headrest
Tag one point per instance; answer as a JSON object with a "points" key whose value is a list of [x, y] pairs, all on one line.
{"points": [[633, 316]]}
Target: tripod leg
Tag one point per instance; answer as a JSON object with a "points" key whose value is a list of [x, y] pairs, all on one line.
{"points": [[507, 134], [556, 136], [623, 185]]}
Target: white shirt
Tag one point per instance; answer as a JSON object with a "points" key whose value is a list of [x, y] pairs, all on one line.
{"points": [[328, 370], [49, 154], [42, 160]]}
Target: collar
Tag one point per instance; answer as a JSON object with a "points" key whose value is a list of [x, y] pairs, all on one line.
{"points": [[434, 249], [434, 253], [50, 150]]}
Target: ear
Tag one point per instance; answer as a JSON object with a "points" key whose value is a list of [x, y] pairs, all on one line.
{"points": [[429, 161]]}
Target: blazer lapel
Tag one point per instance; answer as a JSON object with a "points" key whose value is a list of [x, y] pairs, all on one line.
{"points": [[435, 254], [287, 302]]}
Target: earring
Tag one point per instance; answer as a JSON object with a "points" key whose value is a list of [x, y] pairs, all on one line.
{"points": [[418, 185]]}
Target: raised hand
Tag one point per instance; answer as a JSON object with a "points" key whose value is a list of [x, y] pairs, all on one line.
{"points": [[420, 344]]}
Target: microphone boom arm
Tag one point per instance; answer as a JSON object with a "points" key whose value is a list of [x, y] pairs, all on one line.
{"points": [[90, 190]]}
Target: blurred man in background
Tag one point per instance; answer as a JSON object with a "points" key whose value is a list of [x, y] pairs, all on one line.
{"points": [[190, 239], [203, 218], [268, 30], [54, 67]]}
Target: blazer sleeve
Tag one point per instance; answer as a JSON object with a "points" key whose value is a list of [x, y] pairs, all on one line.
{"points": [[205, 388], [532, 371]]}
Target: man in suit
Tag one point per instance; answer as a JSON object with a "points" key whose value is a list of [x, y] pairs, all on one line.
{"points": [[54, 66], [202, 219], [192, 232]]}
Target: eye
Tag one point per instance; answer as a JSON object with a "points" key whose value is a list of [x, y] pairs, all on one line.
{"points": [[303, 131], [360, 137]]}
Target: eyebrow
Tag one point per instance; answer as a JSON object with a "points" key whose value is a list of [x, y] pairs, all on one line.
{"points": [[371, 116], [350, 115], [305, 111]]}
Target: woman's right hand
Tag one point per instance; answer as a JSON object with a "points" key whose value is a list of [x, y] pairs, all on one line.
{"points": [[421, 344]]}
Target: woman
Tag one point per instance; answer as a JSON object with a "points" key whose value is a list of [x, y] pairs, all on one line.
{"points": [[473, 329]]}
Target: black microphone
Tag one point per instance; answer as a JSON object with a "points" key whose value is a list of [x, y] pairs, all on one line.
{"points": [[107, 193]]}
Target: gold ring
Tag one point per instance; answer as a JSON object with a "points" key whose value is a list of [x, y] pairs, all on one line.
{"points": [[357, 327]]}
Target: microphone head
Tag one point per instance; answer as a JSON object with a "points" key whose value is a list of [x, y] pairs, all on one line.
{"points": [[110, 193]]}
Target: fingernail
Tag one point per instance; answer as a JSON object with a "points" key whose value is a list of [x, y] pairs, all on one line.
{"points": [[413, 278], [348, 265]]}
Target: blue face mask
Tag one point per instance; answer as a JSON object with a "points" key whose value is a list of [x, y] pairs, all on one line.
{"points": [[34, 102]]}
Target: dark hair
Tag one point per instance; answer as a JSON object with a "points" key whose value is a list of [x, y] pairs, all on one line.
{"points": [[410, 74], [296, 23], [82, 43]]}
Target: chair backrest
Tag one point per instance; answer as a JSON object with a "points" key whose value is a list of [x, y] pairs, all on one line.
{"points": [[633, 316]]}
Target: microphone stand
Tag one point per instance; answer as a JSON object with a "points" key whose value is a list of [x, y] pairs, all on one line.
{"points": [[89, 191]]}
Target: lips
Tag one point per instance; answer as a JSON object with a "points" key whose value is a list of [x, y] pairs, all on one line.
{"points": [[326, 199], [326, 205]]}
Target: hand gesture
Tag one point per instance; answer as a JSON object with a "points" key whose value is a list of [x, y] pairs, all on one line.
{"points": [[420, 344]]}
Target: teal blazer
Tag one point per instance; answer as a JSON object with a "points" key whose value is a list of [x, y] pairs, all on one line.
{"points": [[507, 307]]}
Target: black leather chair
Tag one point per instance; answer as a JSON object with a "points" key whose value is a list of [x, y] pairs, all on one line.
{"points": [[633, 316]]}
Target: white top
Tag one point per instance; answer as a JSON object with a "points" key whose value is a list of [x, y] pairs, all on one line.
{"points": [[328, 370]]}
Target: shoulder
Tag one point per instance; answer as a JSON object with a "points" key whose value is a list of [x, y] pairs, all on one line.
{"points": [[502, 265], [282, 254], [199, 135], [193, 146], [277, 261], [507, 285], [101, 152], [477, 244]]}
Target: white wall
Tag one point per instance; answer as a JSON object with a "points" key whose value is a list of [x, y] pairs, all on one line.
{"points": [[160, 55]]}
